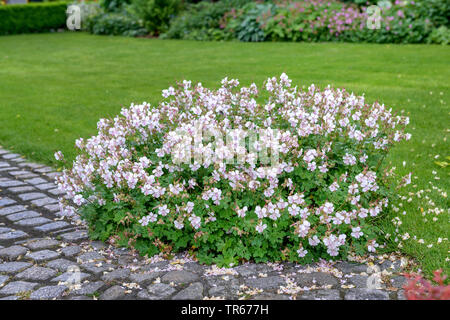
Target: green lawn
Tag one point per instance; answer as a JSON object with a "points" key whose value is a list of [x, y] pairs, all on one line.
{"points": [[54, 88]]}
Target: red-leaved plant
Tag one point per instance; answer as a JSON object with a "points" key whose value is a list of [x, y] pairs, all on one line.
{"points": [[418, 288]]}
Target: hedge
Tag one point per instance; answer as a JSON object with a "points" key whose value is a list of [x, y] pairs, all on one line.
{"points": [[32, 17]]}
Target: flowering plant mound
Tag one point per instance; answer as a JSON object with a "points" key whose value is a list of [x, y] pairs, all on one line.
{"points": [[310, 185]]}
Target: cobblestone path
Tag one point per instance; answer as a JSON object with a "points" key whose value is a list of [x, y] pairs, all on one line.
{"points": [[43, 256]]}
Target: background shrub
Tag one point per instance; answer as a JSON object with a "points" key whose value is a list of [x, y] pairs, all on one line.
{"points": [[436, 11], [32, 17], [203, 21], [402, 22], [155, 14], [245, 24], [285, 20], [362, 2], [310, 21], [115, 23], [114, 5], [439, 35]]}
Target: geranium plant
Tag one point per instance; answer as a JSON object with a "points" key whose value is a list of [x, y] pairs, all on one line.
{"points": [[239, 173]]}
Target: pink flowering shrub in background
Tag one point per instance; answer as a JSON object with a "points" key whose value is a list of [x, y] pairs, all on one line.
{"points": [[321, 199], [326, 20]]}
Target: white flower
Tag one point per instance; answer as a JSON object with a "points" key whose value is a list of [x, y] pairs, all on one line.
{"points": [[178, 225], [163, 210], [356, 232], [151, 217], [349, 159], [261, 227], [260, 212], [372, 245], [241, 212], [314, 241], [302, 252], [59, 156], [334, 187], [328, 208], [195, 221]]}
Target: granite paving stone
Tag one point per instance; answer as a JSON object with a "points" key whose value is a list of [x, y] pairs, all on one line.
{"points": [[53, 175], [36, 181], [4, 229], [116, 275], [366, 294], [269, 296], [113, 293], [44, 201], [91, 257], [27, 176], [52, 226], [32, 222], [398, 281], [270, 282], [61, 265], [41, 244], [21, 189], [75, 236], [17, 287], [19, 172], [45, 186], [22, 215], [332, 294], [143, 294], [11, 209], [6, 201], [350, 267], [13, 267], [89, 288], [10, 183], [44, 170], [193, 292], [10, 298], [144, 277], [12, 235], [72, 276], [48, 292], [52, 207], [13, 252], [56, 192], [3, 280], [178, 277], [316, 278], [31, 196], [162, 290], [10, 156], [70, 251], [32, 165], [99, 268], [36, 274], [43, 255], [359, 281]]}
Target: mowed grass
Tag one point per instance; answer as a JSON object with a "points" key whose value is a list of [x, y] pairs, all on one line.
{"points": [[55, 87]]}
